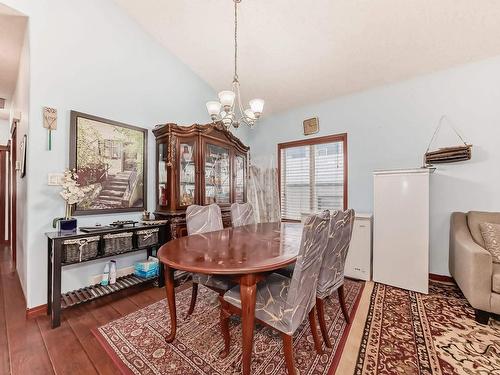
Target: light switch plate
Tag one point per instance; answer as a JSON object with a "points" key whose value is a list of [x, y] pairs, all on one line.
{"points": [[55, 179]]}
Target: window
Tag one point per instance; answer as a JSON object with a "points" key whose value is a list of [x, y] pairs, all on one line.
{"points": [[313, 175]]}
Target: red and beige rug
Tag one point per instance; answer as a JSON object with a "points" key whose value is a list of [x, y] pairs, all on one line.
{"points": [[137, 345], [411, 333]]}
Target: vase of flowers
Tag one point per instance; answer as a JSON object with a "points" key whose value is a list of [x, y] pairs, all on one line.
{"points": [[72, 193]]}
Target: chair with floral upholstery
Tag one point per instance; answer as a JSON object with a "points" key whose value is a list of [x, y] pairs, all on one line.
{"points": [[331, 276], [199, 220], [242, 214], [283, 303]]}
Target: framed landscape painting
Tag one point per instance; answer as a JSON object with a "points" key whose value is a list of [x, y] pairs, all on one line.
{"points": [[111, 159]]}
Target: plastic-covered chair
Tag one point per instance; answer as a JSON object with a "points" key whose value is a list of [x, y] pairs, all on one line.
{"points": [[283, 303], [331, 276], [242, 214], [203, 219]]}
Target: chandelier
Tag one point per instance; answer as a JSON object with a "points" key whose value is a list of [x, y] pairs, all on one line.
{"points": [[229, 109]]}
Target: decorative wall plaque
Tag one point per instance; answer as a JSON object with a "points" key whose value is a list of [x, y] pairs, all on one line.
{"points": [[311, 126], [49, 123]]}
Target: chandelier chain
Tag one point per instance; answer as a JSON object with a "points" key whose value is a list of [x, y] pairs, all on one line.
{"points": [[236, 40]]}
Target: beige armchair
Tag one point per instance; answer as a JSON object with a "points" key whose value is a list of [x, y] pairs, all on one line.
{"points": [[471, 265]]}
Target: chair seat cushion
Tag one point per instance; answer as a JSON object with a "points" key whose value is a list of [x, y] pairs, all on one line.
{"points": [[325, 293], [270, 306], [214, 281], [287, 271]]}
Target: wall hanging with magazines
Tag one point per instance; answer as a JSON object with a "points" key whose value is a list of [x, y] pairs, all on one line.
{"points": [[450, 154]]}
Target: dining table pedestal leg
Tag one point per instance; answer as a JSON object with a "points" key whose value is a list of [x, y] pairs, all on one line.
{"points": [[248, 290], [170, 288]]}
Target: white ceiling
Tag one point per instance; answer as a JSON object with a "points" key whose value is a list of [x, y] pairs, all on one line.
{"points": [[12, 29], [295, 52]]}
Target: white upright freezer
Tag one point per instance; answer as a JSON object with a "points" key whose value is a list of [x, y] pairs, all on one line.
{"points": [[401, 228]]}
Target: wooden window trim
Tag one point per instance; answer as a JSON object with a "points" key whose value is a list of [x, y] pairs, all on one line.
{"points": [[342, 137]]}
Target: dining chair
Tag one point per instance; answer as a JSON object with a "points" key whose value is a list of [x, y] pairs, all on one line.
{"points": [[242, 214], [331, 275], [283, 303], [203, 219]]}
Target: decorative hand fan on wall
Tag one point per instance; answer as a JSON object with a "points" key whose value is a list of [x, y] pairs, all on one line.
{"points": [[450, 154]]}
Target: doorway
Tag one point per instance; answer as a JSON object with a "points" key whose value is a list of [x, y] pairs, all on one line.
{"points": [[12, 193], [4, 195]]}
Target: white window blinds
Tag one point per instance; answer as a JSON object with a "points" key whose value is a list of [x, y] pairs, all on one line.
{"points": [[311, 178]]}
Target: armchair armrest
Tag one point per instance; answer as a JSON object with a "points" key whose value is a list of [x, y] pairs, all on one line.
{"points": [[470, 264]]}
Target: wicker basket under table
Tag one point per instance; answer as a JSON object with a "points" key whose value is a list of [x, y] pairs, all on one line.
{"points": [[80, 249], [117, 243], [147, 237]]}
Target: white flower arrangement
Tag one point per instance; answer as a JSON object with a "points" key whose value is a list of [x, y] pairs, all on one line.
{"points": [[72, 193]]}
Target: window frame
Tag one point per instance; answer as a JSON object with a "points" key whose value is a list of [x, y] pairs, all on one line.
{"points": [[342, 137]]}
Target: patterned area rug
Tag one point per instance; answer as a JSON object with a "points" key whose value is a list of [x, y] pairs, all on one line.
{"points": [[137, 345], [411, 333]]}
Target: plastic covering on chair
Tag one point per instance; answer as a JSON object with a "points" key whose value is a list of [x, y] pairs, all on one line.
{"points": [[284, 303], [203, 219], [242, 214], [262, 191], [331, 276]]}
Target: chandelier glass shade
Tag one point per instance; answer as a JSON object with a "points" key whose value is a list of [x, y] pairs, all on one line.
{"points": [[229, 108]]}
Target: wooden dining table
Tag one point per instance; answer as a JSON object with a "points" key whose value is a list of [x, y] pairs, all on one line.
{"points": [[247, 254]]}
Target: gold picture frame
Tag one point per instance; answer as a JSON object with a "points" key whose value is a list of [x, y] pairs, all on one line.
{"points": [[311, 126]]}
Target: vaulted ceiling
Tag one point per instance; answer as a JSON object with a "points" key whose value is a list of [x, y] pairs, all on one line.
{"points": [[295, 52]]}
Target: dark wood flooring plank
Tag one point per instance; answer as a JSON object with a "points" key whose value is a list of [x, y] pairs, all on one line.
{"points": [[27, 351], [82, 322], [4, 342], [104, 313], [65, 350], [148, 297], [124, 306]]}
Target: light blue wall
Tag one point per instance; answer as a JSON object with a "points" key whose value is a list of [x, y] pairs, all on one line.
{"points": [[91, 57], [390, 127]]}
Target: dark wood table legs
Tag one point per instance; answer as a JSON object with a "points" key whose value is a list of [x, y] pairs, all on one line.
{"points": [[248, 289], [170, 288], [55, 303], [49, 276]]}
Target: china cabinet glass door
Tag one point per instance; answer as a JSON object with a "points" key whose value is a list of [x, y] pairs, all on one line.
{"points": [[162, 175], [240, 177], [187, 172], [217, 174]]}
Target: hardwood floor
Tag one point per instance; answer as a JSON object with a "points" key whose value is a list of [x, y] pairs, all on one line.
{"points": [[32, 347]]}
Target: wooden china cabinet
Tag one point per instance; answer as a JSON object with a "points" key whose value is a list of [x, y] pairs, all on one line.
{"points": [[197, 164]]}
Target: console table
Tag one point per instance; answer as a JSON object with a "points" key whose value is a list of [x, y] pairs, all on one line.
{"points": [[56, 301]]}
